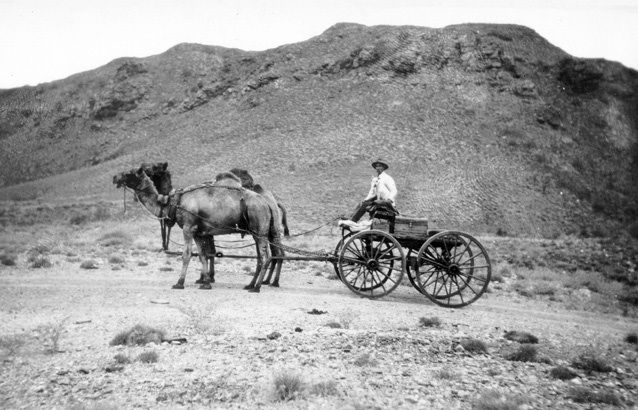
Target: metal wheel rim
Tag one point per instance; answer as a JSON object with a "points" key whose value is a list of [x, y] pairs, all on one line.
{"points": [[375, 271], [456, 269]]}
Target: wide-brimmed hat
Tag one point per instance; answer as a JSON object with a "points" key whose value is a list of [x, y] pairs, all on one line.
{"points": [[380, 162]]}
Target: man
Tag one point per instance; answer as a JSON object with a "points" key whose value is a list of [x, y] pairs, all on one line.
{"points": [[382, 190]]}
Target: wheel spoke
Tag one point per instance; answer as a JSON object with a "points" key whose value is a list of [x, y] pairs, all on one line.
{"points": [[460, 293], [467, 284]]}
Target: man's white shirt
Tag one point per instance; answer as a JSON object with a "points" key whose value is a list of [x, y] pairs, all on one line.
{"points": [[383, 187]]}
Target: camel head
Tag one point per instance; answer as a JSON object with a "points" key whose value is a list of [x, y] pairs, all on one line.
{"points": [[135, 179], [161, 177], [246, 179]]}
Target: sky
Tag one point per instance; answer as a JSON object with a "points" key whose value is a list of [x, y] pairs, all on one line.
{"points": [[46, 40]]}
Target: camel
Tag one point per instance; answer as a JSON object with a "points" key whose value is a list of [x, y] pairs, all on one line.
{"points": [[205, 210], [280, 212], [158, 173]]}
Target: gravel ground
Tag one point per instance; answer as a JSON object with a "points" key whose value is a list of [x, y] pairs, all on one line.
{"points": [[355, 353]]}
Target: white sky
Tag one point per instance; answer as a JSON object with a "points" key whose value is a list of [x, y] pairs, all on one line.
{"points": [[46, 40]]}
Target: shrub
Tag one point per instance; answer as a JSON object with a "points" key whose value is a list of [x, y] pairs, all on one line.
{"points": [[473, 345], [632, 338], [446, 374], [165, 269], [521, 337], [89, 264], [525, 353], [38, 261], [327, 388], [121, 358], [50, 335], [8, 260], [138, 335], [115, 238], [430, 321], [496, 400], [12, 343], [562, 373], [581, 394], [334, 325], [150, 356], [590, 362], [365, 360], [288, 386], [116, 259]]}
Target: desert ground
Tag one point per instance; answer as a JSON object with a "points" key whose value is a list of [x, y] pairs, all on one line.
{"points": [[70, 292]]}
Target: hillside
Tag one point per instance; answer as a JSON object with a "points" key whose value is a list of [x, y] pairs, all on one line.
{"points": [[486, 127]]}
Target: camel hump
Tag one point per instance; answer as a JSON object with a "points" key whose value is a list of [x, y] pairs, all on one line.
{"points": [[227, 175]]}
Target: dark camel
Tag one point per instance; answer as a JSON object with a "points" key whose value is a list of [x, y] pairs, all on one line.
{"points": [[280, 216], [207, 210], [158, 173]]}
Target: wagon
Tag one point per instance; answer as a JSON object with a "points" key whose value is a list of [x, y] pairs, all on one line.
{"points": [[451, 268]]}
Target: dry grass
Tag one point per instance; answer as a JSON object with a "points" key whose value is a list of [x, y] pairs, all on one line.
{"points": [[562, 373], [525, 353], [581, 394], [150, 356], [138, 335], [430, 321], [366, 359], [11, 344], [122, 358], [324, 388], [520, 337], [632, 338], [497, 400], [116, 238], [591, 362], [447, 374], [473, 346], [89, 264], [289, 385], [49, 334]]}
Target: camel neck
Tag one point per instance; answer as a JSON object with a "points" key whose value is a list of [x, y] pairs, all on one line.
{"points": [[150, 201]]}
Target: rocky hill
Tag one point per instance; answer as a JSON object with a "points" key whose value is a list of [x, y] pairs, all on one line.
{"points": [[486, 127]]}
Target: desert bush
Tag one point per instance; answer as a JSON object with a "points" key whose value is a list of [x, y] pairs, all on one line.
{"points": [[165, 269], [149, 356], [121, 358], [12, 344], [593, 281], [116, 259], [430, 321], [520, 337], [39, 261], [138, 335], [288, 386], [473, 345], [334, 325], [629, 295], [142, 263], [8, 259], [581, 394], [496, 400], [562, 373], [325, 388], [89, 264], [447, 374], [543, 288], [115, 238], [50, 334], [525, 353], [365, 360], [632, 338], [591, 362]]}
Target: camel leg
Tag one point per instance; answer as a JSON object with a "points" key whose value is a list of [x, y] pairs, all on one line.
{"points": [[258, 259], [186, 257], [277, 251], [255, 284], [202, 249], [163, 231], [209, 249]]}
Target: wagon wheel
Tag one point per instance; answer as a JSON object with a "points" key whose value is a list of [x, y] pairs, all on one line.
{"points": [[337, 252], [412, 268], [453, 269], [371, 263]]}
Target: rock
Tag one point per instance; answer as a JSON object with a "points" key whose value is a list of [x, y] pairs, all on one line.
{"points": [[274, 335], [298, 329], [160, 301]]}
